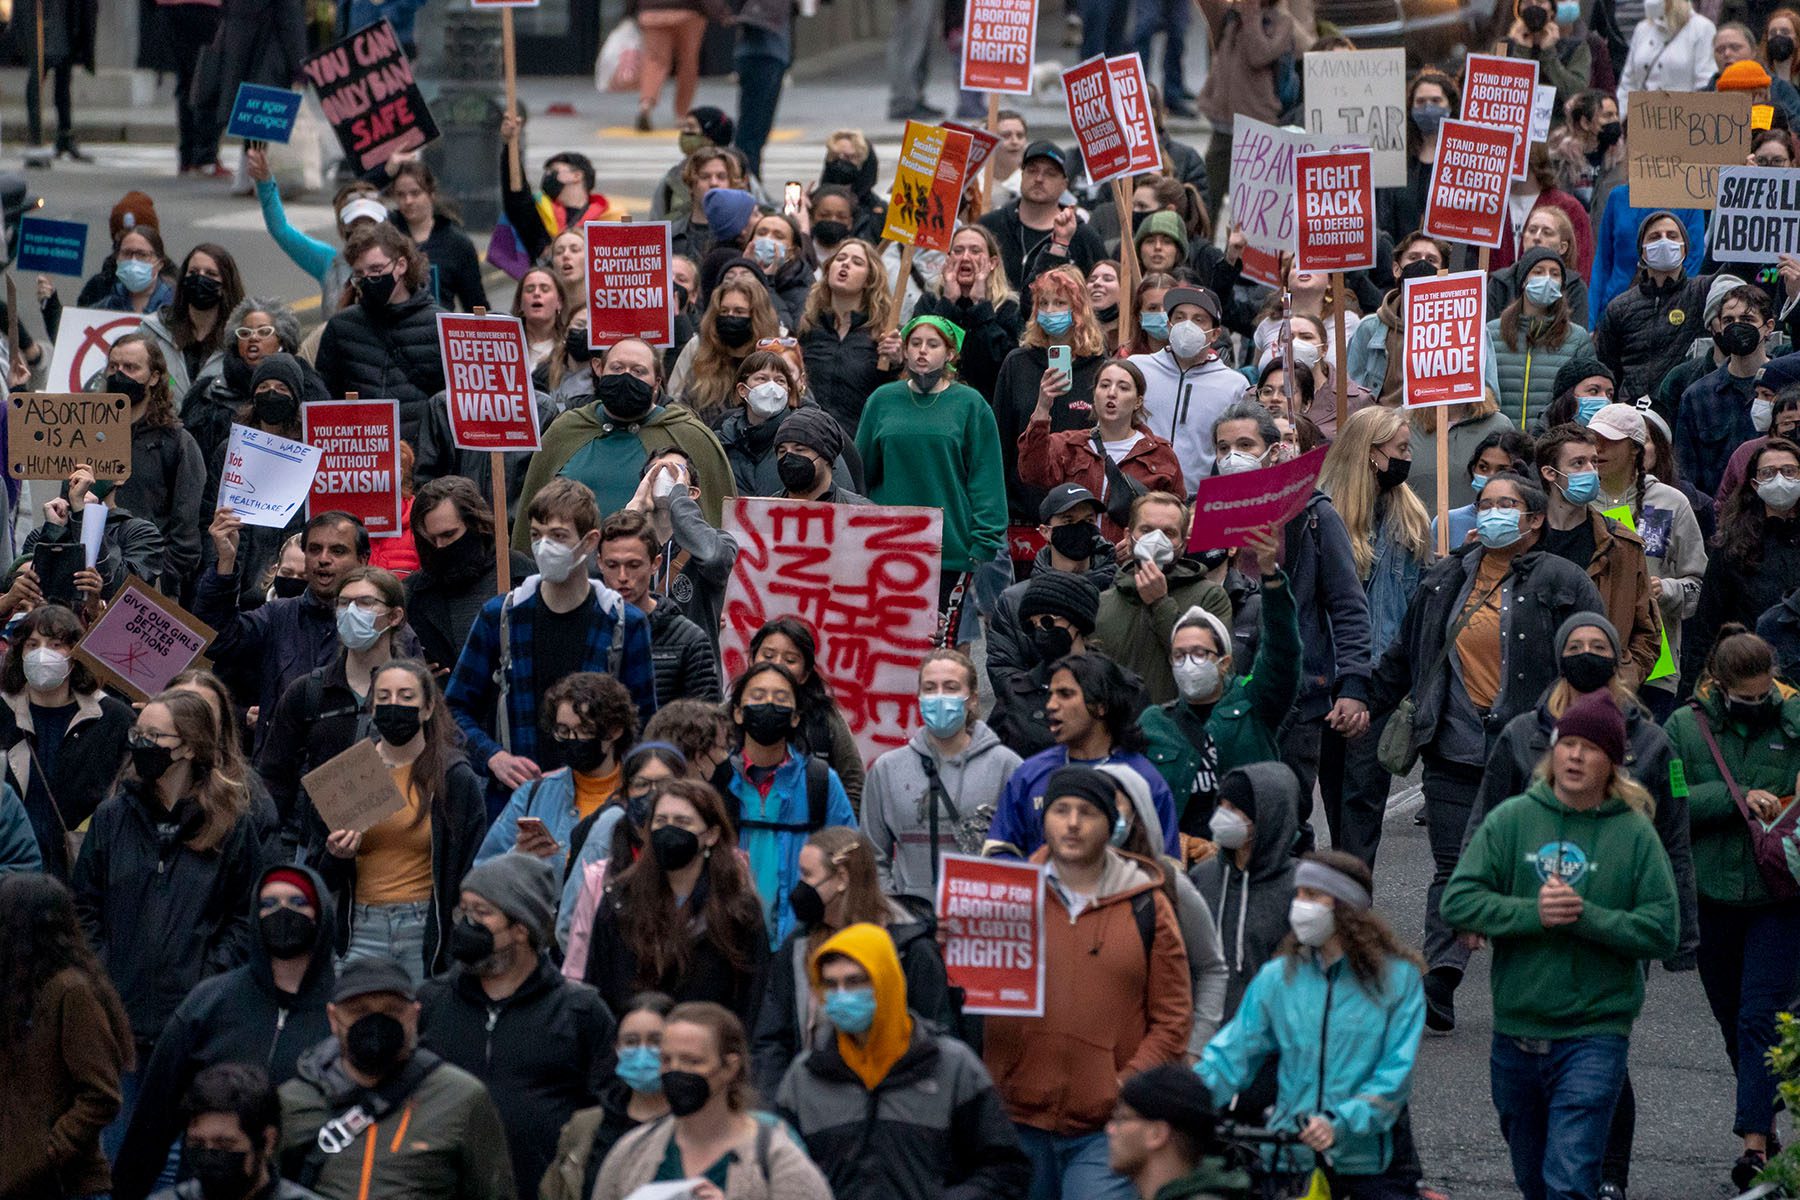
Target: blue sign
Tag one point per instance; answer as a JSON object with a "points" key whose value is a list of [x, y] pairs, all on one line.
{"points": [[263, 114], [54, 247]]}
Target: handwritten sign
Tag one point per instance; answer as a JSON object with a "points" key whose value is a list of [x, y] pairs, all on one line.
{"points": [[628, 288], [83, 343], [49, 434], [1444, 347], [999, 46], [353, 790], [1262, 181], [1337, 210], [359, 464], [1131, 103], [267, 477], [1757, 217], [142, 641], [1469, 184], [1087, 90], [991, 919], [54, 247], [1502, 92], [263, 114], [1680, 140], [1359, 97], [1543, 112], [366, 87], [487, 382], [1229, 508], [864, 578], [928, 183]]}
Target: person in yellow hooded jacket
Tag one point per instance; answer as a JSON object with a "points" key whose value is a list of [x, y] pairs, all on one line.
{"points": [[886, 1106]]}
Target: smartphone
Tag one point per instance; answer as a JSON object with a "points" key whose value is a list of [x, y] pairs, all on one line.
{"points": [[535, 827], [1059, 359], [791, 198]]}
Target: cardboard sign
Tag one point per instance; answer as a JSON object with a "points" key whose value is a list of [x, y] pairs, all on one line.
{"points": [[487, 382], [1680, 140], [1359, 96], [991, 921], [366, 87], [1469, 184], [1444, 347], [864, 578], [53, 247], [629, 294], [1336, 198], [263, 114], [1757, 217], [267, 477], [49, 434], [999, 46], [359, 465], [1501, 92], [142, 641], [83, 343], [353, 790], [1131, 103], [1087, 90], [1230, 508], [1262, 181], [928, 185], [1543, 112], [981, 146]]}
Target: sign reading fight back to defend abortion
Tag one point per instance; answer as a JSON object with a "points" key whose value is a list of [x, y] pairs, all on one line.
{"points": [[1336, 196], [1087, 89]]}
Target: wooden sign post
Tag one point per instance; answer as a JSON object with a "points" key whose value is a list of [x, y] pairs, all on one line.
{"points": [[497, 458], [513, 167]]}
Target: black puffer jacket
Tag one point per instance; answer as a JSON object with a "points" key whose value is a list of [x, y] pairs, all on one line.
{"points": [[394, 354], [317, 719], [751, 449], [1009, 648], [168, 480], [989, 335], [841, 371], [686, 666], [1647, 330]]}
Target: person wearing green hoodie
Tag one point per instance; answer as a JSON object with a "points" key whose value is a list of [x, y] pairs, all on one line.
{"points": [[1575, 890]]}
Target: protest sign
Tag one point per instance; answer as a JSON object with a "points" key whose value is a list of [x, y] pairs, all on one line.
{"points": [[1757, 218], [1680, 140], [1087, 90], [1229, 508], [1444, 346], [1358, 97], [1336, 199], [1262, 266], [991, 922], [864, 579], [54, 247], [359, 465], [263, 114], [629, 292], [366, 87], [83, 342], [353, 790], [928, 185], [1262, 180], [142, 641], [1469, 184], [49, 434], [487, 382], [981, 147], [1131, 104], [999, 46], [1658, 522], [267, 477], [1502, 93], [1543, 112]]}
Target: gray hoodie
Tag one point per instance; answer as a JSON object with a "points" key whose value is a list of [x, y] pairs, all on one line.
{"points": [[1250, 907], [895, 818]]}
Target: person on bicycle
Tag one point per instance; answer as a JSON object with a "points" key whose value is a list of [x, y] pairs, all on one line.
{"points": [[1163, 1137]]}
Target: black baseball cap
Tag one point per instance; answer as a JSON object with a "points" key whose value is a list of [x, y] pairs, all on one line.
{"points": [[1062, 498], [369, 976], [1046, 149], [1177, 296]]}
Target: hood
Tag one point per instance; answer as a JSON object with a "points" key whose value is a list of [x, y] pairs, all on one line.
{"points": [[1180, 573], [1143, 805], [320, 973], [1124, 876], [1658, 215], [1277, 793], [1389, 312], [870, 947], [1711, 699], [610, 601]]}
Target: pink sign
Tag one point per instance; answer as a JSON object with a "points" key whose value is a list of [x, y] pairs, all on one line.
{"points": [[142, 641], [1227, 508]]}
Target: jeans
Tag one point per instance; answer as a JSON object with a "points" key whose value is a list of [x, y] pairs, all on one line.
{"points": [[759, 91], [916, 23], [1354, 789], [60, 76], [1748, 970], [190, 28], [1449, 794], [1103, 27], [1615, 1167], [1071, 1167], [395, 931], [1169, 18], [1555, 1100]]}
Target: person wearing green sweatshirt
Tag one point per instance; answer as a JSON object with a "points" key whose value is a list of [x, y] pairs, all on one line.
{"points": [[929, 441], [1573, 887]]}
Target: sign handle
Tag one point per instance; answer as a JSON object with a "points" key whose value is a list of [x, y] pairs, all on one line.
{"points": [[497, 485], [1443, 481], [901, 276], [508, 58], [1127, 265], [12, 329], [987, 168], [1341, 370]]}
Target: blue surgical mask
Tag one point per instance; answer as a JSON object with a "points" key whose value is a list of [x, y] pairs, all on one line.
{"points": [[1478, 482], [1120, 832], [356, 627], [1581, 487], [1543, 290], [1586, 407], [768, 251], [1055, 324], [1155, 325], [135, 274], [641, 1069], [1497, 527], [944, 715], [852, 1010], [1567, 13]]}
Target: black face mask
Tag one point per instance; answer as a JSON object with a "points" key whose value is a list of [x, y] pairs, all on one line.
{"points": [[829, 233], [376, 291], [1609, 134], [924, 381], [275, 408], [1075, 541], [721, 777], [686, 1092], [460, 562], [674, 847], [471, 943], [374, 1044], [768, 724], [1738, 338], [287, 933], [151, 762], [1754, 713], [397, 724], [625, 397], [1588, 672], [798, 473], [1781, 47], [126, 386], [575, 343], [808, 905], [1052, 642], [288, 586], [840, 171], [222, 1174], [1210, 559], [1107, 315], [734, 331], [1420, 268], [1394, 474], [550, 185], [203, 291], [1535, 18], [584, 754]]}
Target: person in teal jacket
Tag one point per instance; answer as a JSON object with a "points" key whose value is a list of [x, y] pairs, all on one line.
{"points": [[1573, 886], [1535, 335], [1342, 1006]]}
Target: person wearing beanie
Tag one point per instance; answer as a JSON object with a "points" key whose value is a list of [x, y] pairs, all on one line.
{"points": [[1535, 336], [1590, 381], [541, 1043], [1053, 615], [808, 441], [1161, 241], [704, 127], [1644, 328], [728, 212], [1717, 412], [1570, 883], [1162, 1137], [1078, 549]]}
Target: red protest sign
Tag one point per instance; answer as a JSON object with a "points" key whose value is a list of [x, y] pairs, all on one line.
{"points": [[628, 290], [1502, 92], [981, 145], [1469, 184], [1087, 88], [1131, 102], [359, 467], [1229, 507], [487, 382], [999, 44], [928, 187], [1336, 197], [991, 920], [1443, 338]]}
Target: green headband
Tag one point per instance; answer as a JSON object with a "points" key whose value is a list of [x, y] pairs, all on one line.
{"points": [[949, 329]]}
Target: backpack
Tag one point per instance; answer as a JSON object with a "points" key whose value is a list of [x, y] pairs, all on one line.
{"points": [[818, 800]]}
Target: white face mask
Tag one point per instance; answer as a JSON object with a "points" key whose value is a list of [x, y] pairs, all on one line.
{"points": [[1196, 679], [1762, 414], [1779, 493], [46, 668], [555, 561], [1313, 923], [1155, 547], [665, 483], [1187, 339], [1653, 10], [1663, 254], [1239, 461], [1306, 355], [1229, 829], [767, 398]]}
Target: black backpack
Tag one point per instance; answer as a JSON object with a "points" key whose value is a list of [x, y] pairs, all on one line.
{"points": [[818, 801]]}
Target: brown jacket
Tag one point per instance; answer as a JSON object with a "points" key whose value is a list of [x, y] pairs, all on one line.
{"points": [[1619, 571], [1110, 1011], [1248, 39], [62, 1087]]}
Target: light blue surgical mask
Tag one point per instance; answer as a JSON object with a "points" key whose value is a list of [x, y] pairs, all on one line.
{"points": [[768, 251], [1055, 324], [641, 1069], [1155, 325], [1543, 290], [1478, 482], [1567, 13], [1587, 407], [944, 715], [852, 1010], [356, 627], [135, 274], [1581, 487], [1497, 527]]}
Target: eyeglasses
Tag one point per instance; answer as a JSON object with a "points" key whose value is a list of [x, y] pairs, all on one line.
{"points": [[246, 332], [1195, 658], [1498, 502], [783, 342], [1772, 162], [564, 733], [1764, 474], [368, 604], [375, 272], [143, 739]]}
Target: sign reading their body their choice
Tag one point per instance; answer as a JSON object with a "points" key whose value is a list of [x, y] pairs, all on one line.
{"points": [[49, 434], [1757, 218], [83, 343], [991, 920], [1679, 142], [353, 790], [928, 185], [999, 46], [54, 247], [359, 471], [864, 578], [1131, 102], [366, 87], [1337, 210], [1469, 185], [628, 289], [487, 382], [1230, 508], [1358, 97], [267, 477], [143, 641], [1087, 90], [263, 114], [1502, 92], [1444, 346]]}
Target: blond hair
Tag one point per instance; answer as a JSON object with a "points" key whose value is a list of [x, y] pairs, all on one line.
{"points": [[876, 304], [1347, 478]]}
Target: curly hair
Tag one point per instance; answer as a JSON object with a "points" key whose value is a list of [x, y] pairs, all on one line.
{"points": [[598, 700], [1068, 284], [1369, 944], [159, 399], [58, 624], [41, 937]]}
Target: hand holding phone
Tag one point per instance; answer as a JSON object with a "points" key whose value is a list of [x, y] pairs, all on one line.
{"points": [[535, 839]]}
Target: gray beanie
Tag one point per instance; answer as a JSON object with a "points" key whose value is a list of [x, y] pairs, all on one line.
{"points": [[1597, 620], [522, 886]]}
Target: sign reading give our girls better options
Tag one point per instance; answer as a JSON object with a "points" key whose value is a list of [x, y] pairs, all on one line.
{"points": [[628, 292], [487, 382], [1336, 194], [1443, 338]]}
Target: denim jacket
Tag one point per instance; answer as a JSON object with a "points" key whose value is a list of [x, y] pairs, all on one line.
{"points": [[1393, 578]]}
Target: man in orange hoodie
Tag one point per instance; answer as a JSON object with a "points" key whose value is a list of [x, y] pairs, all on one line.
{"points": [[1117, 996]]}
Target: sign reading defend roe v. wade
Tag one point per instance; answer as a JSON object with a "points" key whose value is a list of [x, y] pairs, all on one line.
{"points": [[487, 382], [1757, 219], [1443, 338]]}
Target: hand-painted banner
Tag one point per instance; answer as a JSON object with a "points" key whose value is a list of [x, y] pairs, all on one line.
{"points": [[1502, 92], [1337, 210], [487, 382], [991, 921], [1263, 204], [1469, 184], [1228, 508], [1444, 346], [928, 186], [999, 46], [142, 641], [1358, 97], [366, 87], [628, 287], [1131, 103], [359, 467], [1087, 89], [863, 578]]}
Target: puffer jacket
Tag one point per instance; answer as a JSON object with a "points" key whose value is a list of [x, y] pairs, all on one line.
{"points": [[1648, 327], [1528, 374], [896, 799], [59, 800], [391, 354], [1332, 608], [1009, 648], [841, 371], [155, 326], [1250, 903], [687, 667]]}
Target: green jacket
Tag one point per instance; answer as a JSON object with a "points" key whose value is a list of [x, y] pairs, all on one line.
{"points": [[1769, 758], [1210, 1180], [1244, 719], [1579, 980], [1137, 637]]}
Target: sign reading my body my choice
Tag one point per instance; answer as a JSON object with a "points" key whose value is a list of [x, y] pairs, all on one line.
{"points": [[263, 114]]}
